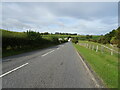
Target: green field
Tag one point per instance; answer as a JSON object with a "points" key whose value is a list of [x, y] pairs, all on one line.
{"points": [[104, 64], [81, 37]]}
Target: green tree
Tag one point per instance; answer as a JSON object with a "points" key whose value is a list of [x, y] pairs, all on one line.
{"points": [[75, 40], [118, 36], [114, 40], [33, 35]]}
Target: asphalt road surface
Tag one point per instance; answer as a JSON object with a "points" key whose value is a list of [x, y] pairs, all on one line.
{"points": [[56, 67]]}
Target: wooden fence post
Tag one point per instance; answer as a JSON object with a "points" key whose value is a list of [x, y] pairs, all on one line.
{"points": [[90, 46], [97, 48], [102, 49], [86, 45], [93, 47], [111, 52]]}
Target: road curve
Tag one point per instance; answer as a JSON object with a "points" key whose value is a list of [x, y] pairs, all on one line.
{"points": [[55, 67]]}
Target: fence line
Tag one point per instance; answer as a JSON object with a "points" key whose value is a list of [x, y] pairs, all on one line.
{"points": [[110, 49], [99, 47]]}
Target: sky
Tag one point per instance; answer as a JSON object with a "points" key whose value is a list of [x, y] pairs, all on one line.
{"points": [[93, 18]]}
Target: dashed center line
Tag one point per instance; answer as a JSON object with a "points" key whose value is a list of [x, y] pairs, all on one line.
{"points": [[13, 70], [47, 53]]}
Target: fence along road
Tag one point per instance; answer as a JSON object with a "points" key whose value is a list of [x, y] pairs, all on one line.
{"points": [[99, 47]]}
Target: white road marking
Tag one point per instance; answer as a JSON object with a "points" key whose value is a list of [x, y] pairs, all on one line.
{"points": [[96, 83], [13, 70], [58, 48], [47, 53]]}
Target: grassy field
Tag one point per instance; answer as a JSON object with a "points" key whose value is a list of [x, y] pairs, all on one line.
{"points": [[79, 36], [104, 64]]}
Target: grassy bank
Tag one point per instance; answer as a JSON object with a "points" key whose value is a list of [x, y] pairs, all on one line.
{"points": [[19, 42], [99, 44], [24, 50], [104, 64]]}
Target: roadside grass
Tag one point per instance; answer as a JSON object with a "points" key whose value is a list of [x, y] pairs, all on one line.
{"points": [[112, 47], [107, 45], [104, 64]]}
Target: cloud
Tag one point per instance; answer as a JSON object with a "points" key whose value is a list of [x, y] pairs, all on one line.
{"points": [[82, 17], [87, 26]]}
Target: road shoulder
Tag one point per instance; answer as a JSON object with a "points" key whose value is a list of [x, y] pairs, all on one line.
{"points": [[96, 79]]}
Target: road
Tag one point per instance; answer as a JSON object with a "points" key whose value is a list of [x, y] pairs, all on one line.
{"points": [[55, 67]]}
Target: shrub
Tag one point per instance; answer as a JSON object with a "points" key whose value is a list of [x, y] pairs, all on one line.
{"points": [[75, 40]]}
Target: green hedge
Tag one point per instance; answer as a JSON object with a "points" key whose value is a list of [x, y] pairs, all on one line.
{"points": [[16, 40]]}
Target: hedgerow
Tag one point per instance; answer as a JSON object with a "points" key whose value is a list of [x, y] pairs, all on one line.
{"points": [[21, 40]]}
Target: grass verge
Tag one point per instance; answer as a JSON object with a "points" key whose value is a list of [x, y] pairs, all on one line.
{"points": [[105, 65]]}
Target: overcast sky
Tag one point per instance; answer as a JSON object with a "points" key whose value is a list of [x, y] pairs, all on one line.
{"points": [[79, 17]]}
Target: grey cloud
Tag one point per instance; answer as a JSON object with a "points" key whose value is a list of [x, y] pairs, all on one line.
{"points": [[87, 17], [76, 10], [83, 10]]}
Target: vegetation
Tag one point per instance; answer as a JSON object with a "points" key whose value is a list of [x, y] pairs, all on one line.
{"points": [[105, 65], [24, 41], [79, 37], [58, 33], [75, 40], [104, 61], [95, 44], [112, 37]]}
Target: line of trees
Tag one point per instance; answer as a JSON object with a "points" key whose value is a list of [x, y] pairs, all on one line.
{"points": [[112, 37], [59, 33]]}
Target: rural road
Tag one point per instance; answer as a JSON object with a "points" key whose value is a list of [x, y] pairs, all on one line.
{"points": [[55, 67]]}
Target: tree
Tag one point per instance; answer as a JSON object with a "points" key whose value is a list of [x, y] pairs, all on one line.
{"points": [[88, 36], [118, 37], [46, 33], [33, 35], [75, 40], [114, 40]]}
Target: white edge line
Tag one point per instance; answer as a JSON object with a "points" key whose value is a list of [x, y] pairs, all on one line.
{"points": [[97, 85], [13, 70], [47, 53]]}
